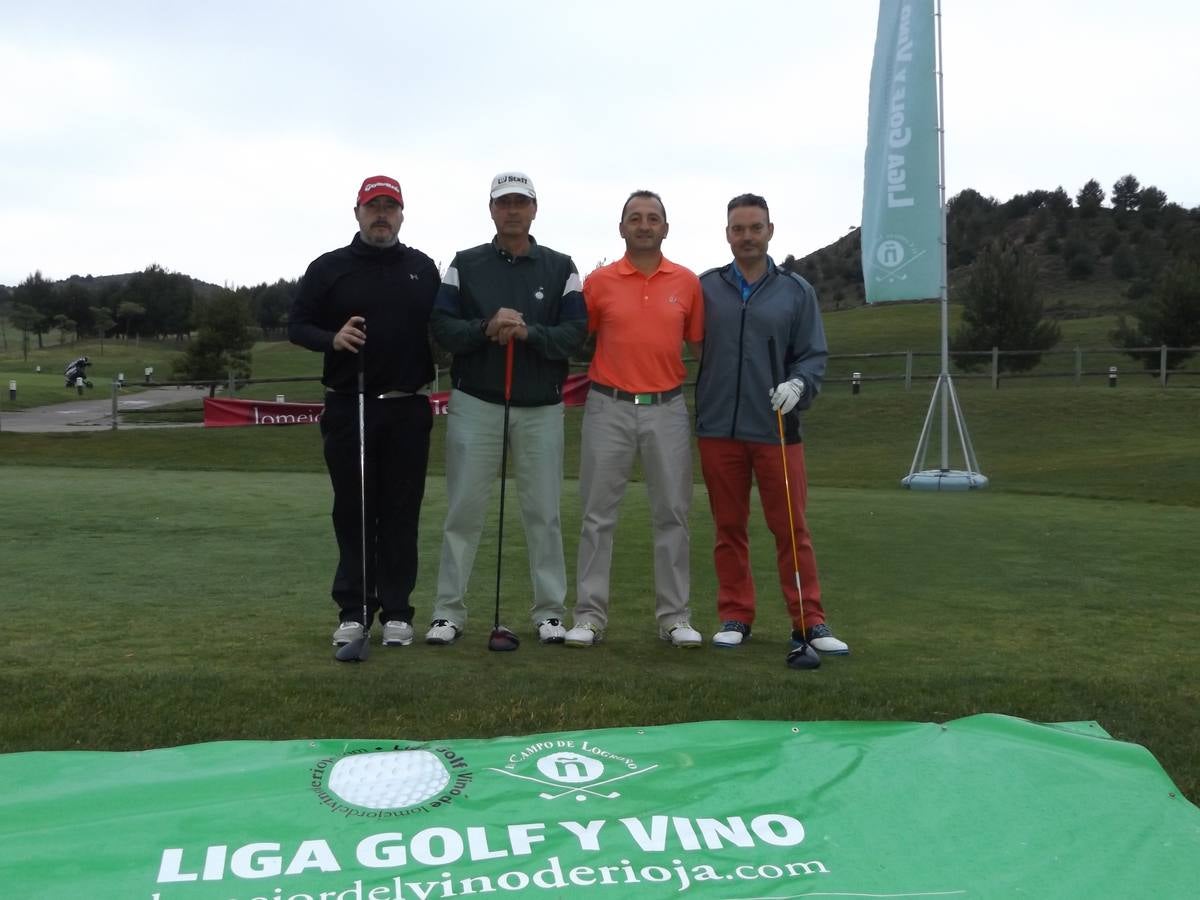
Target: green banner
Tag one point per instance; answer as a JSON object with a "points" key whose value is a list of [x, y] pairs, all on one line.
{"points": [[902, 215], [987, 806]]}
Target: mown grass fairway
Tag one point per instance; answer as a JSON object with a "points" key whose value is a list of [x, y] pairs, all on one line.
{"points": [[166, 587]]}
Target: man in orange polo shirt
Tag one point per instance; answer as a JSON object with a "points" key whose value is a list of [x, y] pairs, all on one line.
{"points": [[641, 308]]}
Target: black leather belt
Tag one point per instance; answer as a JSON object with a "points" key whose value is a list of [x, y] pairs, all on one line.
{"points": [[386, 395], [636, 399]]}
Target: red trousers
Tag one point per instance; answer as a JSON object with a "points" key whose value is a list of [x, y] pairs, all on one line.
{"points": [[727, 466]]}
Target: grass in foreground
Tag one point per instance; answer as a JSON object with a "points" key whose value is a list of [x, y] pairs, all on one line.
{"points": [[158, 607]]}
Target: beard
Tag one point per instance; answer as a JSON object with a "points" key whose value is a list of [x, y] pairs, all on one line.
{"points": [[379, 237]]}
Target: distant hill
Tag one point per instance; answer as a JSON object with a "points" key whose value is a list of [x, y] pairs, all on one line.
{"points": [[1092, 260], [98, 283]]}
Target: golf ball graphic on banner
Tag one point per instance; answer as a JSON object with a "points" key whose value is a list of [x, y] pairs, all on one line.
{"points": [[389, 780]]}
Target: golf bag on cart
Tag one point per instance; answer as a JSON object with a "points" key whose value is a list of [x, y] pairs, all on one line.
{"points": [[76, 370]]}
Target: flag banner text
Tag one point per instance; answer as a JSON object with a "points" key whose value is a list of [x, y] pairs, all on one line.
{"points": [[901, 215]]}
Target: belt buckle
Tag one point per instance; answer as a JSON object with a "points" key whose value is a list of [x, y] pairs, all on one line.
{"points": [[643, 399]]}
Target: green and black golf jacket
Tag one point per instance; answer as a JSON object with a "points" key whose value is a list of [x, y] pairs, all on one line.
{"points": [[544, 286]]}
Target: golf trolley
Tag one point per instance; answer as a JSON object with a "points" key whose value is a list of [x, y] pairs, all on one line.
{"points": [[76, 372]]}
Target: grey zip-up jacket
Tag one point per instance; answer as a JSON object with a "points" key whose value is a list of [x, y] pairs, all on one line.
{"points": [[735, 381]]}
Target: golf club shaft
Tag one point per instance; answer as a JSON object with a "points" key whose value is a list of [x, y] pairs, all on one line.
{"points": [[362, 477], [776, 374], [508, 367]]}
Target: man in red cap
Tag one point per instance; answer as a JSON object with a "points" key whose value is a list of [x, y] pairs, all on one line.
{"points": [[376, 286]]}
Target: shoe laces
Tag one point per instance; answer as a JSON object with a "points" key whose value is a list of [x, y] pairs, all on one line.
{"points": [[734, 625], [819, 631], [554, 622]]}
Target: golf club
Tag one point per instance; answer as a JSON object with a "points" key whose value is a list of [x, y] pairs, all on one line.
{"points": [[803, 656], [357, 649], [501, 638]]}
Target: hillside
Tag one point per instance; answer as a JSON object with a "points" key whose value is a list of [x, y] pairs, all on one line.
{"points": [[1092, 260]]}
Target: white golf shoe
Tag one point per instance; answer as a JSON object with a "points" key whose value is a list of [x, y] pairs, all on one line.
{"points": [[397, 633], [681, 634], [442, 632], [347, 632], [551, 631], [821, 639], [732, 634], [586, 635]]}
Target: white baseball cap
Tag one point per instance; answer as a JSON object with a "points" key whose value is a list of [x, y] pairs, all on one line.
{"points": [[513, 183]]}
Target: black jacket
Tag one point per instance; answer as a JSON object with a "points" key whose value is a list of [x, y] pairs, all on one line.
{"points": [[393, 288]]}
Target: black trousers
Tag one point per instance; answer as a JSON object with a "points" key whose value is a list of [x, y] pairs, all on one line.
{"points": [[397, 453]]}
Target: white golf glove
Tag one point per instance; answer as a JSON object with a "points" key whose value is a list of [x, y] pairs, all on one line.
{"points": [[785, 396]]}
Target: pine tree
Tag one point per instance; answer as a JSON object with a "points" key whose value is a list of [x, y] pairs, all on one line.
{"points": [[1168, 315], [1089, 198], [1125, 193], [1001, 309], [223, 342]]}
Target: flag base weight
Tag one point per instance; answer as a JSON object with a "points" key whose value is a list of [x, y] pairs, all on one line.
{"points": [[944, 480]]}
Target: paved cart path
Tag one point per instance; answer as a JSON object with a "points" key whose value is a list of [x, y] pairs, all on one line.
{"points": [[92, 413]]}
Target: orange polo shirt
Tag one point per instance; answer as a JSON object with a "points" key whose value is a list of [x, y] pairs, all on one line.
{"points": [[641, 323]]}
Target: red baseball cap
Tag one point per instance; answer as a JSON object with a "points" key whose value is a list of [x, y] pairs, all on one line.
{"points": [[380, 186]]}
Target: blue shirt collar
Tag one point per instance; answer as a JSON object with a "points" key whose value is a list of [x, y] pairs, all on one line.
{"points": [[746, 287]]}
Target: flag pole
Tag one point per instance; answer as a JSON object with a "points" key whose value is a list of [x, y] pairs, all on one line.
{"points": [[944, 478], [945, 298]]}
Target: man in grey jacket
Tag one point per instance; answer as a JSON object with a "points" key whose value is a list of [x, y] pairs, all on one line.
{"points": [[750, 305]]}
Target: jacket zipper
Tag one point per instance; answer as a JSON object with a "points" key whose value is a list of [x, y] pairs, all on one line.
{"points": [[737, 390], [737, 397]]}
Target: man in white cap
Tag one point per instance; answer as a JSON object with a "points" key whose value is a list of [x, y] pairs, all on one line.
{"points": [[509, 289]]}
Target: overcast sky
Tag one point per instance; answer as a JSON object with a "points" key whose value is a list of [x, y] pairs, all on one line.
{"points": [[227, 140]]}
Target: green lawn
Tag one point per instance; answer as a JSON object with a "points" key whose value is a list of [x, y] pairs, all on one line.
{"points": [[169, 587]]}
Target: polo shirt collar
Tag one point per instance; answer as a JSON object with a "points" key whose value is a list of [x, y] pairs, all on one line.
{"points": [[625, 267], [534, 251]]}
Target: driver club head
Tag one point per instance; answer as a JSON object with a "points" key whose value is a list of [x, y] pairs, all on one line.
{"points": [[355, 651], [803, 657], [502, 640]]}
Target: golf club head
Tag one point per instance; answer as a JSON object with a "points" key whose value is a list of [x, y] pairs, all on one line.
{"points": [[355, 651], [803, 657], [501, 639]]}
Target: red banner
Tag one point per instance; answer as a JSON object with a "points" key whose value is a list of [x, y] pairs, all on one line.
{"points": [[222, 413]]}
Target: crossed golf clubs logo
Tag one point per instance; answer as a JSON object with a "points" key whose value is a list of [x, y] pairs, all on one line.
{"points": [[576, 770], [893, 256]]}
